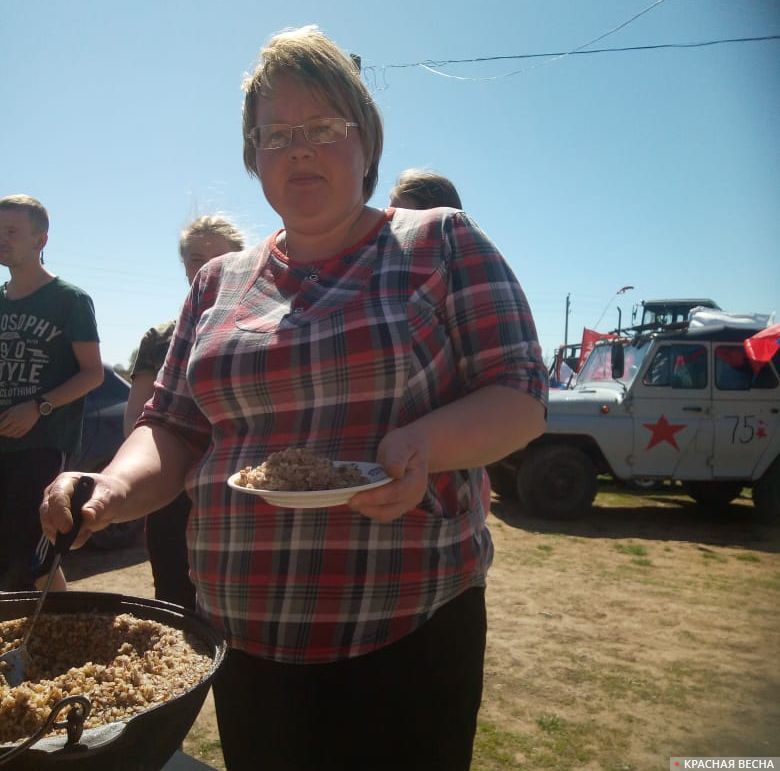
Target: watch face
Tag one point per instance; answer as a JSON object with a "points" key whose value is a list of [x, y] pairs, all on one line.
{"points": [[45, 408]]}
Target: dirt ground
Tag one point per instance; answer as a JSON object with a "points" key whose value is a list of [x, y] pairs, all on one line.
{"points": [[648, 631]]}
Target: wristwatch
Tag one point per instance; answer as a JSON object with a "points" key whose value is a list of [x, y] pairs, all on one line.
{"points": [[44, 407]]}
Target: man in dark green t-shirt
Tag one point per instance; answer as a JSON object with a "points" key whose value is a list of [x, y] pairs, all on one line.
{"points": [[49, 360]]}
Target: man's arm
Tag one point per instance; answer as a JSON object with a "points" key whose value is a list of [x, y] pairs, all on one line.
{"points": [[89, 376], [16, 421]]}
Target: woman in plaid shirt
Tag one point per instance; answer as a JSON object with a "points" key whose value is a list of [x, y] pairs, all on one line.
{"points": [[356, 632]]}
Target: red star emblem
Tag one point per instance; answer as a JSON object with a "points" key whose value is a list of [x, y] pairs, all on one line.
{"points": [[663, 431]]}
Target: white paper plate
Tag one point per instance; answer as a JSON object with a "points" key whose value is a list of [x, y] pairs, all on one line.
{"points": [[317, 499]]}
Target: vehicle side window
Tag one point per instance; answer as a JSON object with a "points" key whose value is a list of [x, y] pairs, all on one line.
{"points": [[678, 366], [734, 372], [659, 371]]}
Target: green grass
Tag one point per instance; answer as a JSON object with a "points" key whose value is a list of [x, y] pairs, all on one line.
{"points": [[551, 724], [614, 690], [209, 749], [554, 744], [634, 549], [771, 582], [496, 749], [618, 682], [747, 557]]}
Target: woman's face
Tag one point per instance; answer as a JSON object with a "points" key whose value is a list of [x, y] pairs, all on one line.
{"points": [[313, 188], [200, 249]]}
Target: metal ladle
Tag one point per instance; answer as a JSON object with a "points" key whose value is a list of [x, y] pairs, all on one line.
{"points": [[18, 659]]}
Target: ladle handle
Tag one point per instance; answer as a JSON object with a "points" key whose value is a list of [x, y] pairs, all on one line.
{"points": [[81, 495]]}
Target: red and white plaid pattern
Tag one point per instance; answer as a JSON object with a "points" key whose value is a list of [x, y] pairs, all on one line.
{"points": [[270, 354]]}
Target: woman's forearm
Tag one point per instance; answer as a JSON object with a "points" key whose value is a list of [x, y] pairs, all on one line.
{"points": [[480, 428], [151, 464]]}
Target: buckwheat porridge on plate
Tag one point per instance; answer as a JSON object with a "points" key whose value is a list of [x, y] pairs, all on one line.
{"points": [[297, 469]]}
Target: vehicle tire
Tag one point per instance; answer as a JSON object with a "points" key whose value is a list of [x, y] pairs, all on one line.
{"points": [[716, 493], [503, 480], [766, 494], [117, 536], [645, 484], [556, 481]]}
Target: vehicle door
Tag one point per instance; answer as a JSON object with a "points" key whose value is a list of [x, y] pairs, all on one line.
{"points": [[671, 397], [745, 410]]}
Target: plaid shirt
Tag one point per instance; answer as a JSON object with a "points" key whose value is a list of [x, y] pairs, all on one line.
{"points": [[270, 354]]}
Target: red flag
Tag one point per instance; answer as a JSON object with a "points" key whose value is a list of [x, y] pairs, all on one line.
{"points": [[763, 346], [589, 338]]}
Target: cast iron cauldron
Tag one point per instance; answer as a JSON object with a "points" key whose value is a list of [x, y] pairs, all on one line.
{"points": [[143, 742]]}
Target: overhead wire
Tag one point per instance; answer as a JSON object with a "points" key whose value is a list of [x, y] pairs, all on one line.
{"points": [[555, 57], [431, 65], [431, 68], [620, 49]]}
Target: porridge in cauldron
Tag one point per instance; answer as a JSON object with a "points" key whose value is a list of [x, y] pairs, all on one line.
{"points": [[121, 663]]}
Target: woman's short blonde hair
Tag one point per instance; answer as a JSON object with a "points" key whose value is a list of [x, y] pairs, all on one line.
{"points": [[211, 225], [320, 65]]}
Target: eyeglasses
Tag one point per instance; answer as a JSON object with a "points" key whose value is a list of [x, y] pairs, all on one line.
{"points": [[318, 131]]}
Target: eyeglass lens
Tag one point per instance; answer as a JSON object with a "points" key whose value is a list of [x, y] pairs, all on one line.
{"points": [[318, 131]]}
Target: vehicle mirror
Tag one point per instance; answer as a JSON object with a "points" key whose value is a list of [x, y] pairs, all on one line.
{"points": [[618, 361]]}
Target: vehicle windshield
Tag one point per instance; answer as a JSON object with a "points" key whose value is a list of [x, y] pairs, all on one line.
{"points": [[598, 365]]}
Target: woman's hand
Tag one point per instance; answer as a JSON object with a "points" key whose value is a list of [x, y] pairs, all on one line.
{"points": [[98, 512], [403, 454], [499, 420]]}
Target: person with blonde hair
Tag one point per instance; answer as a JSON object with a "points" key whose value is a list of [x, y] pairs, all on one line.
{"points": [[49, 361], [203, 239], [356, 633], [424, 189]]}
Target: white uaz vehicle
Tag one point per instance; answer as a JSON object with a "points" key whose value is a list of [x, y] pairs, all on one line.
{"points": [[683, 404]]}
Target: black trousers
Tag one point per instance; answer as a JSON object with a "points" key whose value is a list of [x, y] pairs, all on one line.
{"points": [[24, 475], [166, 542], [411, 706]]}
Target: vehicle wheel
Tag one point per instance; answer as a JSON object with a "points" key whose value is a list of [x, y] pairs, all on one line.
{"points": [[118, 535], [713, 493], [556, 481], [645, 484], [503, 480], [766, 493]]}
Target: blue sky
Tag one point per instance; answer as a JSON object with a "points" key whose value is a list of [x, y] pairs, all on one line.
{"points": [[657, 169]]}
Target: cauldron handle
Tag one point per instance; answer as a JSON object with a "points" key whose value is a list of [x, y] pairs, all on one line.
{"points": [[73, 723]]}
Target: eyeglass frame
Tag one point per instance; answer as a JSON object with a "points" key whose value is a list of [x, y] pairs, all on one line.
{"points": [[301, 126]]}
